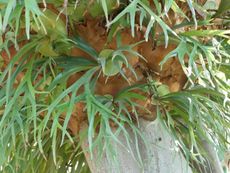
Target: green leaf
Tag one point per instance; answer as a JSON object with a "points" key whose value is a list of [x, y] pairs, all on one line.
{"points": [[10, 6], [110, 65], [190, 4], [223, 7], [31, 6], [45, 47], [205, 33], [163, 90], [83, 45], [51, 24]]}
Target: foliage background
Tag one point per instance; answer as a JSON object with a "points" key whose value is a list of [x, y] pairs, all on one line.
{"points": [[37, 103]]}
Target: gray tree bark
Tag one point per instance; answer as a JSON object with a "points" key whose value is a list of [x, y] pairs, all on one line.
{"points": [[214, 162], [162, 156]]}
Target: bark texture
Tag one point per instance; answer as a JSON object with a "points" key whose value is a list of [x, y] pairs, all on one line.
{"points": [[162, 155], [214, 162]]}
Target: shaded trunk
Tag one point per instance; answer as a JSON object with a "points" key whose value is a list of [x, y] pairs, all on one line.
{"points": [[214, 162], [162, 155]]}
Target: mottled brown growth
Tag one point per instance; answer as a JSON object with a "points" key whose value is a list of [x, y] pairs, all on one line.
{"points": [[96, 35], [171, 73]]}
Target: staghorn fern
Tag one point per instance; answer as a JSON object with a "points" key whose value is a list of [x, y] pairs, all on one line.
{"points": [[37, 103]]}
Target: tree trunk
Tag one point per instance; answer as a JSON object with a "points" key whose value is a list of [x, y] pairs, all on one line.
{"points": [[162, 156], [214, 162]]}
